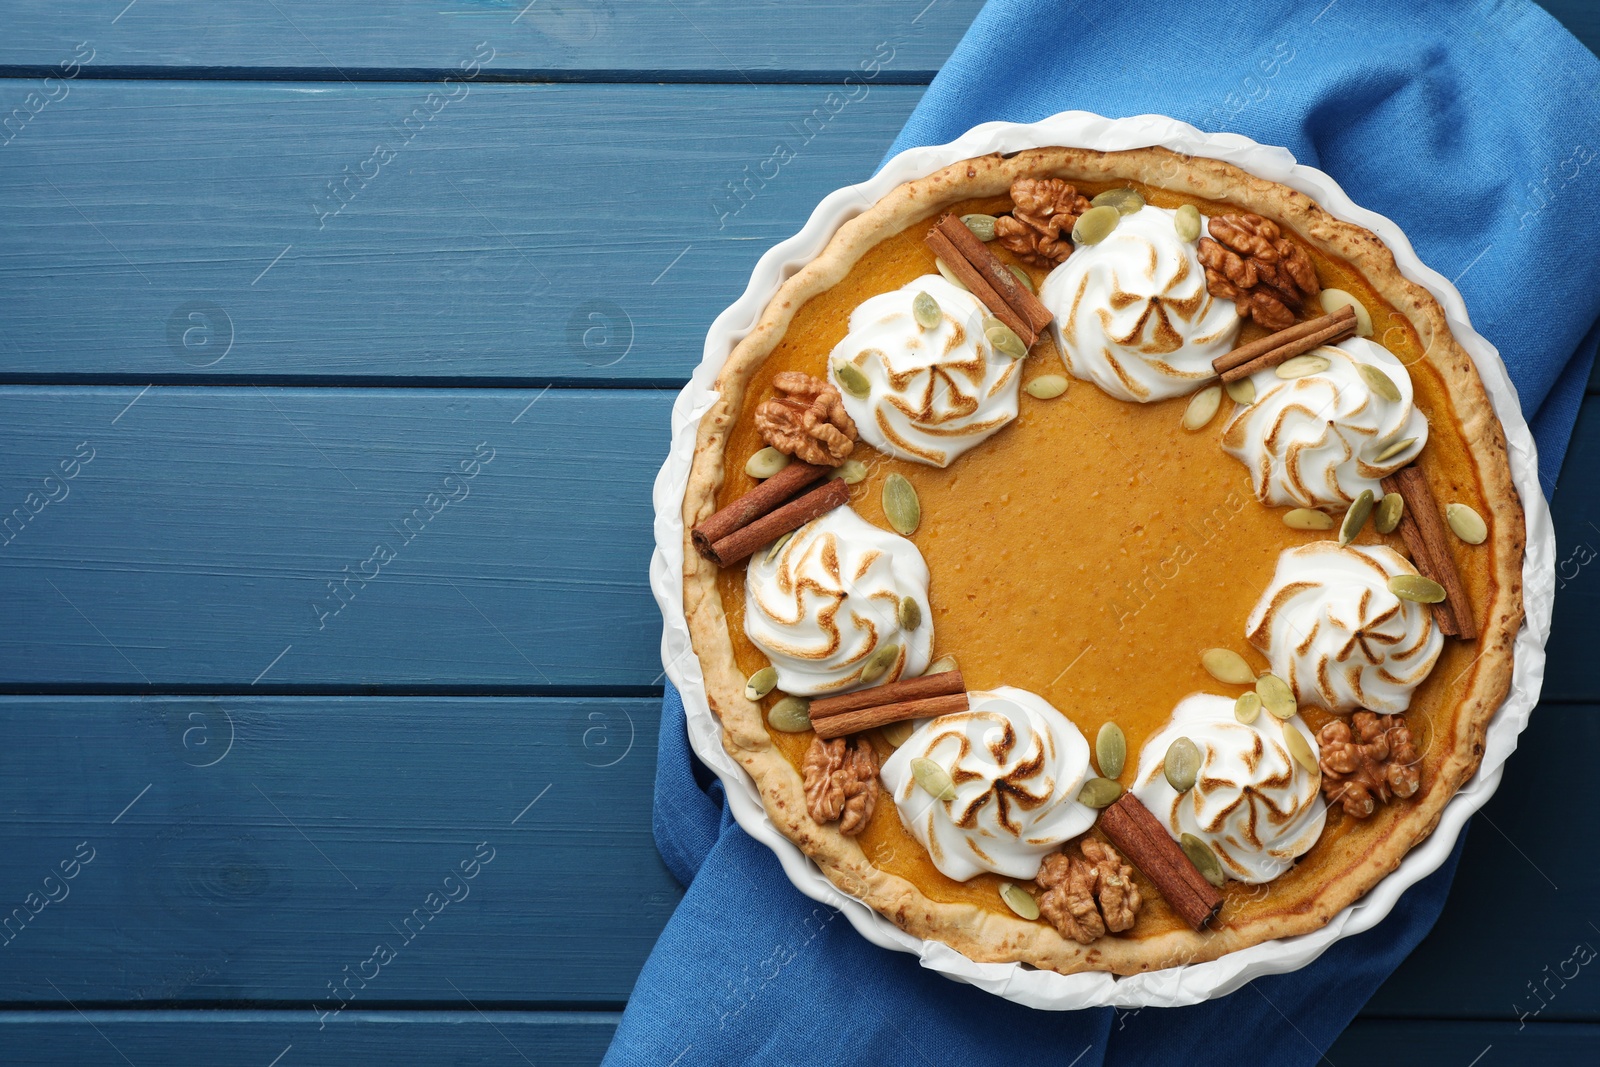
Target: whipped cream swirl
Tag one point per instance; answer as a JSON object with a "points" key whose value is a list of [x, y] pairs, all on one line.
{"points": [[1330, 628], [1132, 313], [1017, 764], [934, 393], [831, 598], [1314, 442], [1252, 802]]}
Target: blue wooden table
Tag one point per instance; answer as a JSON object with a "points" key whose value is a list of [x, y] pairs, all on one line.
{"points": [[337, 344]]}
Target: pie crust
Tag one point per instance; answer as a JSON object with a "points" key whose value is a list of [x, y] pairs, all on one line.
{"points": [[1350, 865]]}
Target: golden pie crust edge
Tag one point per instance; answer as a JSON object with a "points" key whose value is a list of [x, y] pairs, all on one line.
{"points": [[1355, 863]]}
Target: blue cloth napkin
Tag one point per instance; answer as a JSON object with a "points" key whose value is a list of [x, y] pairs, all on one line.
{"points": [[1473, 126]]}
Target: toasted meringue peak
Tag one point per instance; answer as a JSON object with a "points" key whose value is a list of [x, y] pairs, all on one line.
{"points": [[1314, 442], [830, 598], [1132, 313], [1331, 628], [934, 393], [1017, 764], [1252, 802]]}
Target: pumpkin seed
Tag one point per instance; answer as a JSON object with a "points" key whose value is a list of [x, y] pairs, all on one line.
{"points": [[1355, 517], [1182, 764], [777, 546], [934, 779], [1334, 299], [852, 380], [1095, 225], [1300, 749], [942, 665], [1416, 588], [900, 505], [1187, 222], [1110, 750], [1303, 366], [1307, 519], [1126, 201], [1246, 708], [925, 309], [1205, 861], [950, 275], [1390, 509], [1023, 277], [1379, 382], [910, 614], [765, 463], [898, 733], [1019, 900], [791, 715], [1004, 340], [1242, 392], [1202, 408], [879, 662], [1276, 696], [1395, 449], [761, 683], [1467, 524], [852, 471], [982, 226], [1047, 386], [1099, 793], [1226, 665]]}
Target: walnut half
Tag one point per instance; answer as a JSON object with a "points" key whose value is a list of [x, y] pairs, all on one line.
{"points": [[1087, 895], [1248, 260], [807, 419], [1366, 761], [841, 782], [1039, 228]]}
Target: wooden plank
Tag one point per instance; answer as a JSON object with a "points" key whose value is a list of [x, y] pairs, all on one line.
{"points": [[507, 532], [516, 235], [225, 880], [1580, 17], [1519, 916], [199, 541], [250, 849], [116, 1038], [1570, 673], [587, 39], [1397, 1043], [579, 1039]]}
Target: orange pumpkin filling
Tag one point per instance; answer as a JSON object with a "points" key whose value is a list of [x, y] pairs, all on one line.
{"points": [[1091, 550]]}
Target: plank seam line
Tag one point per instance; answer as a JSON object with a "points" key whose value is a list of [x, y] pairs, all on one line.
{"points": [[598, 77]]}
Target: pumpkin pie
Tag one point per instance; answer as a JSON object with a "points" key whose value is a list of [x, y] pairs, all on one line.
{"points": [[1103, 561]]}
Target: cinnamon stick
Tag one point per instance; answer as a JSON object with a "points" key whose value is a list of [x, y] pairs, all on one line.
{"points": [[756, 503], [996, 273], [1297, 340], [974, 280], [1423, 531], [928, 685], [767, 529], [851, 722], [1145, 842]]}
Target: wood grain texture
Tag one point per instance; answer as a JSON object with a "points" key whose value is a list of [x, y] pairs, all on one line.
{"points": [[1397, 1043], [249, 849], [1570, 673], [579, 1039], [519, 234], [701, 40], [199, 541], [492, 1038], [240, 895]]}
